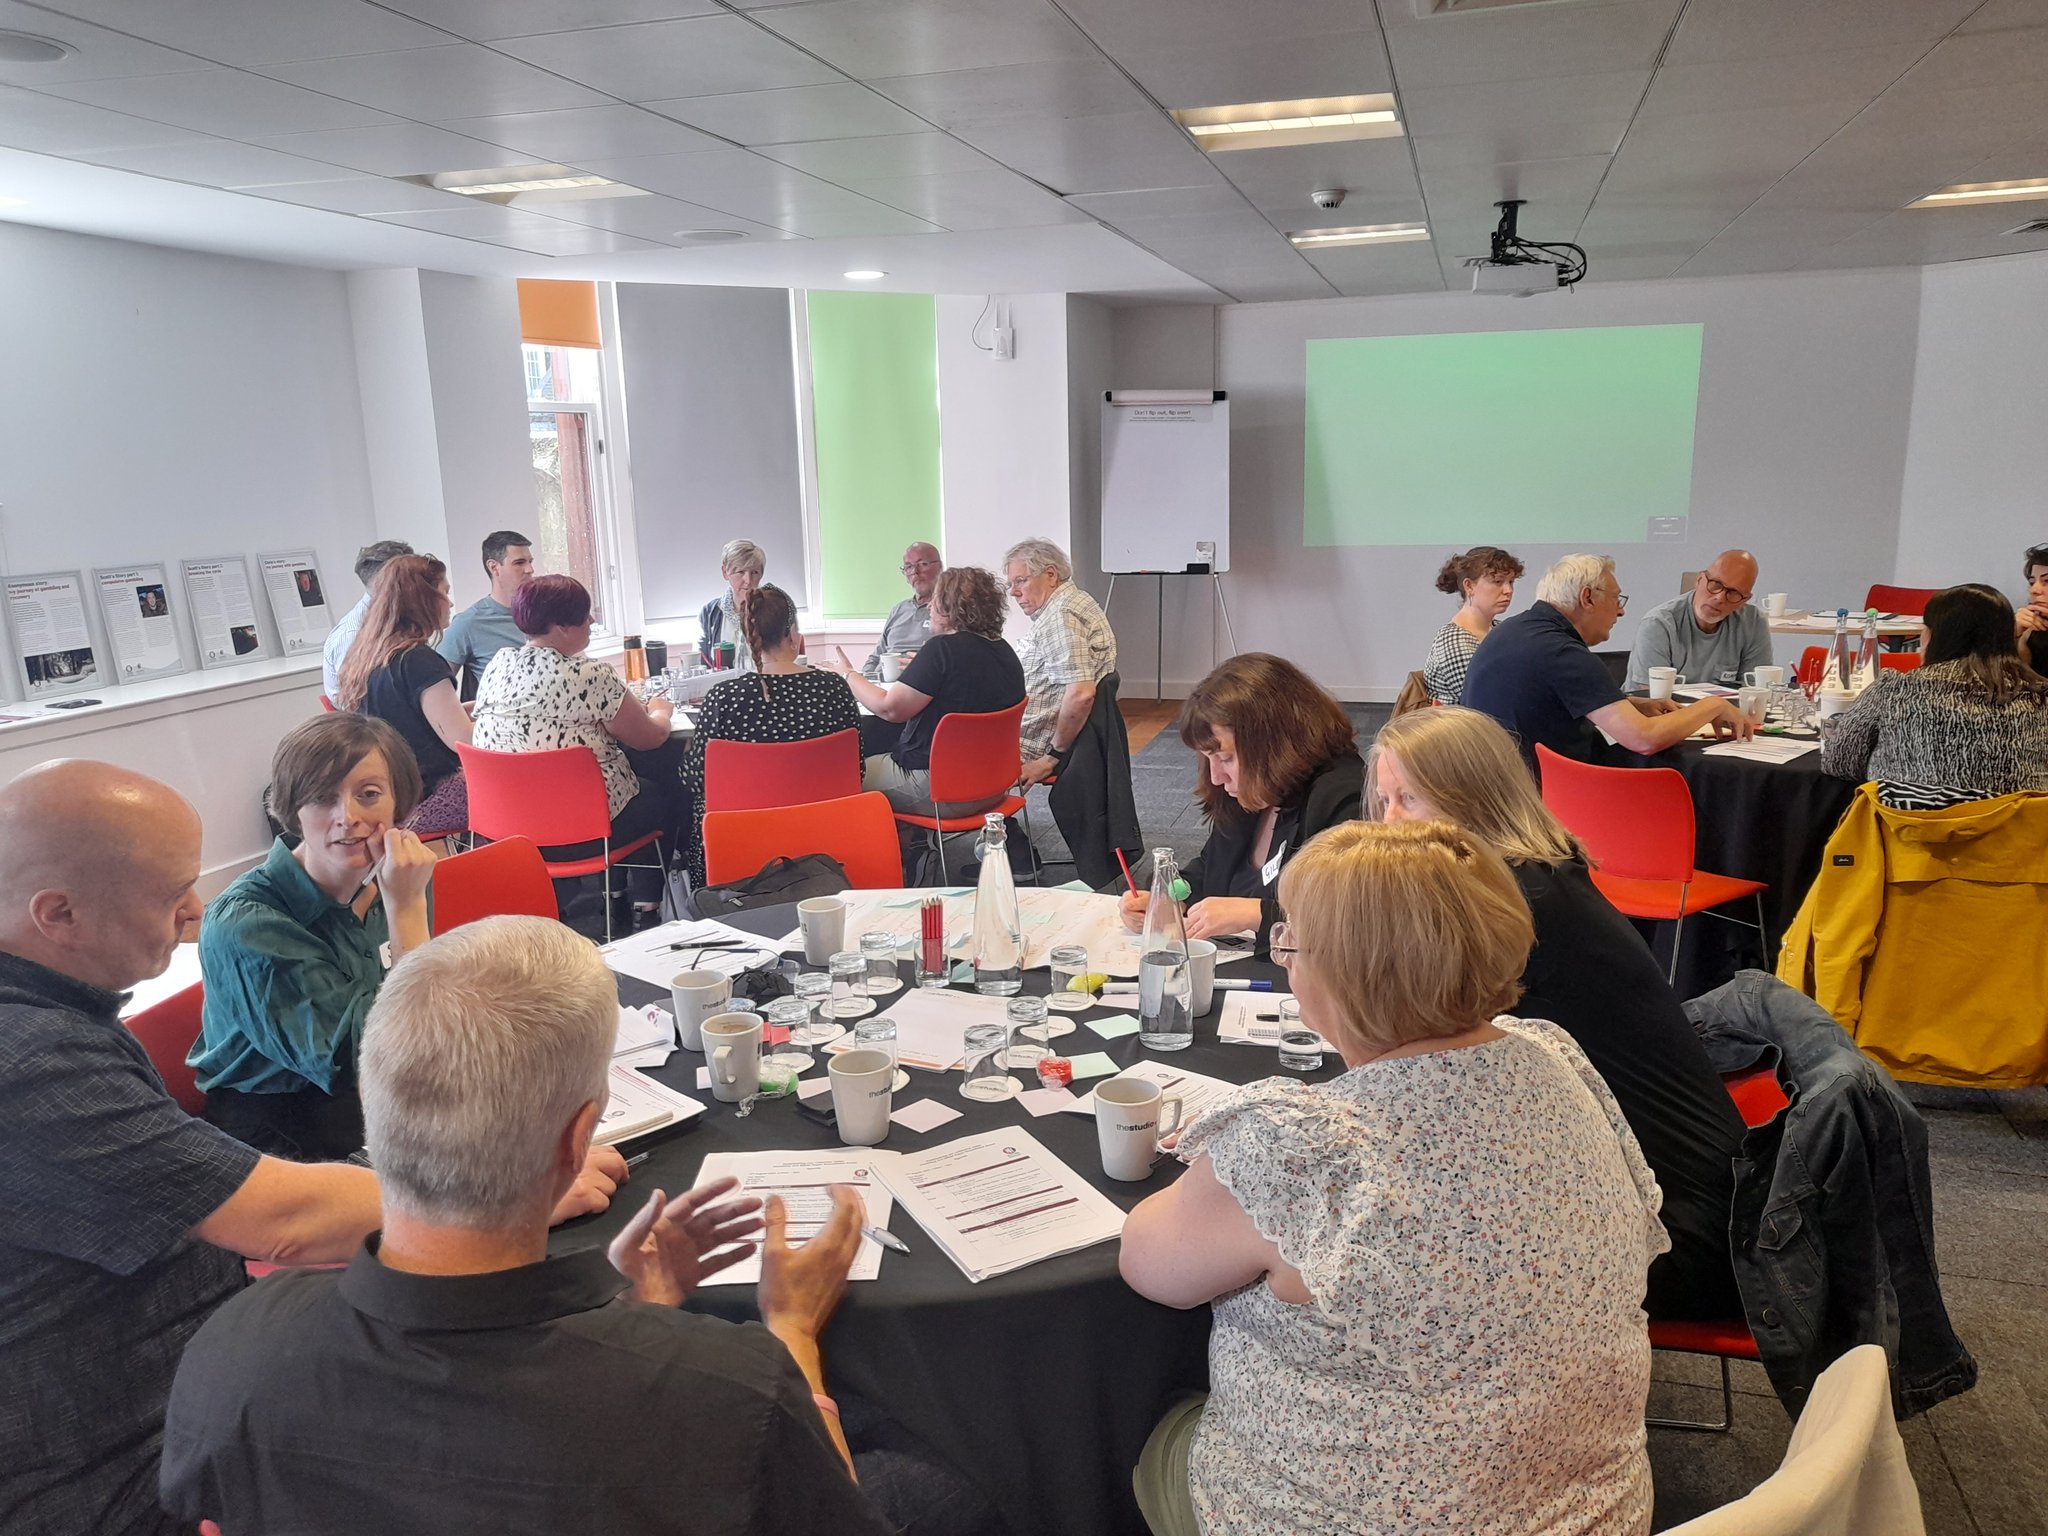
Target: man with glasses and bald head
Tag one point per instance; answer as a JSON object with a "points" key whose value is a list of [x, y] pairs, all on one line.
{"points": [[909, 623], [1712, 634]]}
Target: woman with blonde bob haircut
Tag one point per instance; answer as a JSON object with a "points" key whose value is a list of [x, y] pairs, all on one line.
{"points": [[1469, 1169], [1592, 975]]}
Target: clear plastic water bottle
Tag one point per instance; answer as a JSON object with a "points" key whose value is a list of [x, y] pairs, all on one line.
{"points": [[998, 926], [1866, 654], [1166, 1019], [1840, 664]]}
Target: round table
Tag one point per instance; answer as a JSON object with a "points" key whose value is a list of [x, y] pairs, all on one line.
{"points": [[1039, 1385]]}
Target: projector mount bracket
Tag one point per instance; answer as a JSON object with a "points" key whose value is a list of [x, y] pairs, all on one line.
{"points": [[1509, 249]]}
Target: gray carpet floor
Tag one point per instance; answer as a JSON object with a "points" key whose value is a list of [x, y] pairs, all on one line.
{"points": [[1981, 1460]]}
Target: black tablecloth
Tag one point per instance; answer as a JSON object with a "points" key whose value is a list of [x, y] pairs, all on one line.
{"points": [[1040, 1385]]}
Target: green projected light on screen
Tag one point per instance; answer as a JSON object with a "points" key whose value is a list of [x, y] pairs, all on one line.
{"points": [[1502, 437]]}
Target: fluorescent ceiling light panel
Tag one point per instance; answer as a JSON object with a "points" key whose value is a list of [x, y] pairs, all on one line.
{"points": [[864, 275], [1358, 234], [531, 183], [1964, 194], [1271, 124]]}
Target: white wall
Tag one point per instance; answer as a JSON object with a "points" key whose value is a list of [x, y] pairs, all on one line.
{"points": [[1973, 496], [398, 406], [1804, 400]]}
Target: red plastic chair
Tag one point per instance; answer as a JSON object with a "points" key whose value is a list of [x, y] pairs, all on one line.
{"points": [[551, 799], [1901, 600], [167, 1030], [975, 758], [755, 775], [1638, 828], [498, 878], [859, 831], [1758, 1098], [1898, 661], [326, 703]]}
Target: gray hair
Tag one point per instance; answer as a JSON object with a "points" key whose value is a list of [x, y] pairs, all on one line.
{"points": [[743, 555], [480, 1048], [372, 558], [1040, 556], [1564, 581]]}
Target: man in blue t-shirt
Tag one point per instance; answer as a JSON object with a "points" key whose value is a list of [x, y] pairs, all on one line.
{"points": [[1537, 674], [1711, 634], [485, 627]]}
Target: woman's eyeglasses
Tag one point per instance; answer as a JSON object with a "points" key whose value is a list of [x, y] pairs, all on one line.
{"points": [[1280, 944]]}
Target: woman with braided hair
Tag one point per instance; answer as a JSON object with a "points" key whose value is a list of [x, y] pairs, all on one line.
{"points": [[778, 701]]}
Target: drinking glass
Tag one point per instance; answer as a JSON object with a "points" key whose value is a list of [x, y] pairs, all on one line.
{"points": [[1069, 962], [788, 1017], [879, 951], [983, 1076], [1027, 1032], [1301, 1048], [879, 1034], [849, 969], [814, 991]]}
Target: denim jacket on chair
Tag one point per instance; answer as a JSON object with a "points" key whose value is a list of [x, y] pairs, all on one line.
{"points": [[1832, 1230]]}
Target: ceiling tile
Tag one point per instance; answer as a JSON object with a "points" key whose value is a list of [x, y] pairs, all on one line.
{"points": [[1283, 178], [1606, 99], [52, 125], [871, 39], [583, 133], [849, 162], [220, 163], [1681, 90], [484, 20], [1528, 41], [227, 102], [658, 218], [473, 220], [362, 194], [1716, 30], [2017, 57], [1211, 199], [1511, 142], [246, 32], [1308, 286], [101, 54], [806, 112], [660, 60], [577, 240], [396, 149], [816, 216], [1184, 73], [1221, 25], [991, 199], [1997, 15], [1724, 155], [458, 80], [1113, 153], [1347, 266], [1048, 88], [735, 181]]}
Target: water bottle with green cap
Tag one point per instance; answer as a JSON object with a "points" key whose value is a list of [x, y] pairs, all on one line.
{"points": [[1166, 1020]]}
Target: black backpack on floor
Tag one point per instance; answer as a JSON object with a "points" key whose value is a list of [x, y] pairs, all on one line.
{"points": [[780, 879]]}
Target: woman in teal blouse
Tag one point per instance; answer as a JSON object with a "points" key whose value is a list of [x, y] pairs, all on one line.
{"points": [[293, 952]]}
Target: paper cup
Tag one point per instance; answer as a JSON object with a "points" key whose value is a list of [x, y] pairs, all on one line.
{"points": [[822, 920], [697, 995], [862, 1090], [1127, 1115]]}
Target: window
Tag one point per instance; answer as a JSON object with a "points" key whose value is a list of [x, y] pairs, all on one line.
{"points": [[565, 419]]}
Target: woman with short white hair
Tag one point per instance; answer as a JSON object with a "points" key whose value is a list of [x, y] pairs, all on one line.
{"points": [[742, 563]]}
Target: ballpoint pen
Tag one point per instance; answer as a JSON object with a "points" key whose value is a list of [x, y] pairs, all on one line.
{"points": [[636, 1159], [885, 1237]]}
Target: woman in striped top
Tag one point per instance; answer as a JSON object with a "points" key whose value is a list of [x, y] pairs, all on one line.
{"points": [[1970, 723], [1485, 578]]}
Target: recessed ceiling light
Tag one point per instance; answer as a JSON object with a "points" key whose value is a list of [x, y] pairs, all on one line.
{"points": [[1965, 193], [1270, 124], [1358, 234], [708, 236], [28, 48], [863, 275], [509, 181]]}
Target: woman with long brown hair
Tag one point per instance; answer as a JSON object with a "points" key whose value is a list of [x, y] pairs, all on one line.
{"points": [[1279, 763], [779, 700], [394, 673]]}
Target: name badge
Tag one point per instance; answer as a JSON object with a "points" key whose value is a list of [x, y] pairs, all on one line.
{"points": [[1272, 870]]}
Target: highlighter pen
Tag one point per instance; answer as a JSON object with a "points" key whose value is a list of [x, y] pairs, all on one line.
{"points": [[1241, 984]]}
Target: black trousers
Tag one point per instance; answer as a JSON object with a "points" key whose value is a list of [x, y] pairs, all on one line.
{"points": [[305, 1126]]}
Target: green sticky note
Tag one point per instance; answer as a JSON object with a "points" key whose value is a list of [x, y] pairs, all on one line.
{"points": [[1094, 1064], [1115, 1027], [1076, 885]]}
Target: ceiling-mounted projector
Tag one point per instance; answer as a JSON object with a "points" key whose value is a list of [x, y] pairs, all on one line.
{"points": [[1516, 268]]}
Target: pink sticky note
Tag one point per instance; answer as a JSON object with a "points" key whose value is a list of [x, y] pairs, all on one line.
{"points": [[1046, 1101]]}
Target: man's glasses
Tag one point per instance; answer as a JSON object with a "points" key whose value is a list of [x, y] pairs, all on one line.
{"points": [[1721, 589], [912, 566]]}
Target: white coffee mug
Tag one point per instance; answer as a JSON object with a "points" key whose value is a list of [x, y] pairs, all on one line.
{"points": [[697, 995], [732, 1045], [891, 667], [861, 1095], [1127, 1115], [1202, 976], [1764, 677], [1753, 702], [822, 920], [1774, 604], [1663, 680], [1833, 701]]}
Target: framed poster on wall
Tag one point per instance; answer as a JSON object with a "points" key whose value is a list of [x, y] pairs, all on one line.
{"points": [[135, 602], [223, 612], [298, 600], [52, 640]]}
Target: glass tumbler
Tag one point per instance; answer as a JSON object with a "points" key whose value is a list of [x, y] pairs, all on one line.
{"points": [[1069, 964], [879, 950], [1027, 1046], [1301, 1048], [787, 1017], [983, 1076], [814, 991], [849, 970], [879, 1034]]}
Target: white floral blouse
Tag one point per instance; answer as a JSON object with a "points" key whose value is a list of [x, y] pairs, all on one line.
{"points": [[532, 698]]}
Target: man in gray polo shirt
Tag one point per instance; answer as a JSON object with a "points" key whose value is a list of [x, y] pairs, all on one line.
{"points": [[909, 623], [485, 627], [1711, 634]]}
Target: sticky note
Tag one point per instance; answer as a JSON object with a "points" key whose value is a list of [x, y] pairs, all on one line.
{"points": [[703, 1077], [924, 1115], [1115, 1027], [1094, 1064], [1045, 1101], [817, 1088]]}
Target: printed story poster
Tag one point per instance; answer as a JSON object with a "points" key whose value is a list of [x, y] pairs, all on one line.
{"points": [[47, 615], [223, 612], [298, 600], [135, 601]]}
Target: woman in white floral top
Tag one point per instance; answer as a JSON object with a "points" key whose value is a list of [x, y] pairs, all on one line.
{"points": [[1427, 1275]]}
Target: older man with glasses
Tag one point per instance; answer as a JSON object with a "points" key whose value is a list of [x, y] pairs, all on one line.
{"points": [[909, 623], [1710, 634]]}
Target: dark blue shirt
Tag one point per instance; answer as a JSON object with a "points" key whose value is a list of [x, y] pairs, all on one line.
{"points": [[1539, 678]]}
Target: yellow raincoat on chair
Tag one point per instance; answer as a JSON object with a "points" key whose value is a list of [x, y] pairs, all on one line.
{"points": [[1926, 936]]}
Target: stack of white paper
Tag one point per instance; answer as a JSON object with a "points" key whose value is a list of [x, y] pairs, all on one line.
{"points": [[638, 1104], [804, 1180], [931, 1026], [646, 1038], [1195, 1092], [659, 955], [1245, 1019], [1764, 749], [999, 1201]]}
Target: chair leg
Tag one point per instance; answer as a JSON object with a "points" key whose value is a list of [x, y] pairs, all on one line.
{"points": [[607, 880], [1706, 1426]]}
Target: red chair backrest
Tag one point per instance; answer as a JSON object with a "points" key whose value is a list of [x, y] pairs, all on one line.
{"points": [[1898, 661], [756, 775], [1757, 1096], [167, 1030], [1636, 823], [859, 831], [551, 797], [977, 757], [327, 704], [1911, 600], [507, 877]]}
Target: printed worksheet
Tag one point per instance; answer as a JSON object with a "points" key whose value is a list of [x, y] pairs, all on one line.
{"points": [[804, 1180], [999, 1201]]}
